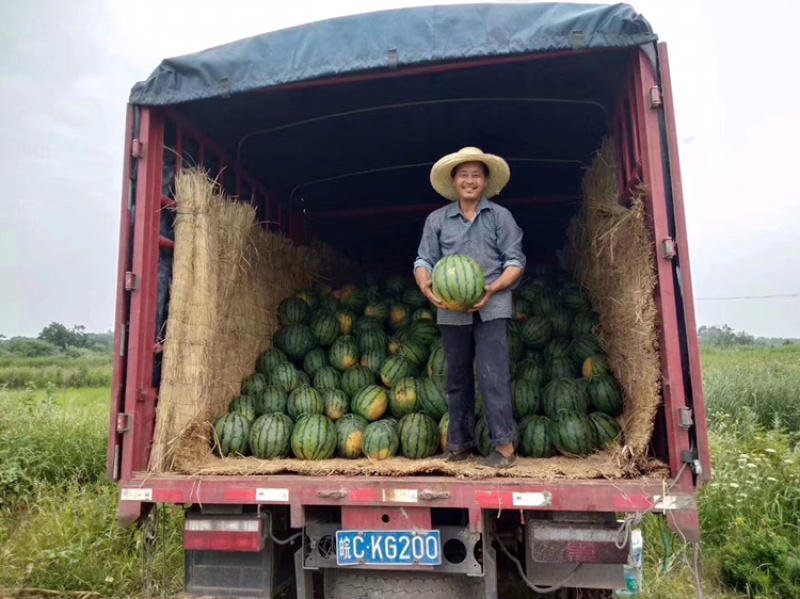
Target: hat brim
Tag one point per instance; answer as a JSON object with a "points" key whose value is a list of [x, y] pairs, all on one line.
{"points": [[442, 181]]}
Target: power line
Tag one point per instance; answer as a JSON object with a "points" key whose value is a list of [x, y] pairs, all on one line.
{"points": [[745, 297]]}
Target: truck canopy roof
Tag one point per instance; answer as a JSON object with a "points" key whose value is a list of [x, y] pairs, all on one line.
{"points": [[390, 39]]}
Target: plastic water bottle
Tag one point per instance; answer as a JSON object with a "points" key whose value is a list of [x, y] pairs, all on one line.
{"points": [[633, 571]]}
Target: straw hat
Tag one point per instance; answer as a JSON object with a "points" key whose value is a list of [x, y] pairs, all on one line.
{"points": [[442, 181]]}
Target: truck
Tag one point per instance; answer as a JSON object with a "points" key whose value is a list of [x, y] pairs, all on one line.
{"points": [[328, 130]]}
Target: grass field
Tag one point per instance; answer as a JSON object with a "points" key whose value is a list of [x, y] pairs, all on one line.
{"points": [[58, 511]]}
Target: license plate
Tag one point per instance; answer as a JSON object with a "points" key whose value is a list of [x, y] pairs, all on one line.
{"points": [[388, 548]]}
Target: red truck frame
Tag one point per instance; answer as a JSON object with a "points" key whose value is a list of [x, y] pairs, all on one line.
{"points": [[644, 128]]}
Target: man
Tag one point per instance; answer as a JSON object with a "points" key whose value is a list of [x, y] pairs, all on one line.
{"points": [[474, 226]]}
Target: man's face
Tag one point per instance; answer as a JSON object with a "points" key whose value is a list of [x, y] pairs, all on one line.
{"points": [[470, 181]]}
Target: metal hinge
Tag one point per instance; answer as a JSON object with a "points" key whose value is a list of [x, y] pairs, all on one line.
{"points": [[668, 248], [122, 422], [685, 418], [137, 149], [655, 97], [130, 281]]}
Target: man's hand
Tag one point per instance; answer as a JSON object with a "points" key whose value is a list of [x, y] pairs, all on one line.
{"points": [[489, 291], [425, 284]]}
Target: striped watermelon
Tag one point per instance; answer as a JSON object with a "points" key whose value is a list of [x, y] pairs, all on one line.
{"points": [[399, 315], [371, 402], [459, 282], [373, 361], [353, 299], [314, 437], [529, 291], [574, 433], [310, 297], [423, 314], [572, 297], [444, 428], [346, 321], [325, 328], [437, 364], [584, 347], [270, 359], [372, 340], [231, 431], [561, 321], [355, 379], [535, 437], [546, 302], [293, 310], [485, 446], [328, 305], [521, 308], [559, 347], [516, 347], [537, 331], [584, 322], [304, 400], [337, 404], [270, 436], [530, 370], [298, 340], [327, 378], [395, 286], [403, 397], [246, 405], [414, 297], [415, 352], [285, 376], [432, 397], [604, 395], [350, 435], [423, 331], [608, 429], [364, 324], [381, 440], [394, 369], [561, 368], [377, 310], [395, 345], [314, 361], [564, 394], [594, 366], [526, 398], [373, 293], [272, 401], [303, 378], [419, 436], [255, 384], [343, 353]]}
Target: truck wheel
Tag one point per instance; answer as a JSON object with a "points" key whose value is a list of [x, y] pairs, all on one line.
{"points": [[366, 584]]}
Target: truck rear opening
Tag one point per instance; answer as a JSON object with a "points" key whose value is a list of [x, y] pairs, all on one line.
{"points": [[339, 151]]}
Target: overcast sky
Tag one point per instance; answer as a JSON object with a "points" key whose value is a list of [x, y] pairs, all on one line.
{"points": [[66, 70]]}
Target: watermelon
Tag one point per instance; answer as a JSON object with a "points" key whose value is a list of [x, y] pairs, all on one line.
{"points": [[343, 353], [377, 310], [395, 286], [373, 294], [272, 401], [437, 364], [432, 397], [419, 436], [564, 394], [535, 437], [327, 378], [364, 324], [529, 291], [314, 361], [394, 369], [485, 446], [608, 429], [422, 331], [304, 400], [314, 437], [584, 323], [561, 368], [459, 282], [355, 379], [231, 431], [325, 328], [572, 298], [269, 360], [373, 361], [561, 321], [246, 405], [537, 331], [594, 366], [604, 395], [380, 440], [328, 305], [526, 399], [521, 308], [285, 376], [255, 384], [310, 297], [574, 433], [530, 370], [444, 428], [270, 436], [415, 352], [584, 347], [414, 297], [337, 404], [395, 344], [371, 402], [293, 310], [546, 302], [350, 435], [403, 397], [353, 299], [516, 346], [297, 340], [399, 315], [372, 340], [346, 321], [303, 378], [423, 314], [559, 347]]}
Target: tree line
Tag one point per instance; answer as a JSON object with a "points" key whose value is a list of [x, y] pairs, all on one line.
{"points": [[56, 339]]}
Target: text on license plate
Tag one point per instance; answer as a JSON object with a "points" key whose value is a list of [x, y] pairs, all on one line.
{"points": [[397, 548]]}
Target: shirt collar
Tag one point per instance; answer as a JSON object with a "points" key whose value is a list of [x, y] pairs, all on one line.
{"points": [[455, 208]]}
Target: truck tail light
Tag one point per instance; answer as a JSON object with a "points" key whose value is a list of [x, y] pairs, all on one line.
{"points": [[223, 534]]}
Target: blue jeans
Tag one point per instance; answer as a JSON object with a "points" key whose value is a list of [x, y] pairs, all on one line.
{"points": [[488, 341]]}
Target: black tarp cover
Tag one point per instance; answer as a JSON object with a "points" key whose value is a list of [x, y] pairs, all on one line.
{"points": [[390, 39]]}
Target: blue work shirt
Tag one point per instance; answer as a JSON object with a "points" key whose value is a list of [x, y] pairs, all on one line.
{"points": [[493, 240]]}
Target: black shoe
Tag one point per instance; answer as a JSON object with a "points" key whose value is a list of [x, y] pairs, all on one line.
{"points": [[456, 456], [498, 460]]}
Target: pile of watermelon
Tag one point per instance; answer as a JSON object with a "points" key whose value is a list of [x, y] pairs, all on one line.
{"points": [[360, 371]]}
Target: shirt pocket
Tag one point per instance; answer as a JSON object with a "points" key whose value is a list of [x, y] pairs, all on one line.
{"points": [[452, 240], [488, 234]]}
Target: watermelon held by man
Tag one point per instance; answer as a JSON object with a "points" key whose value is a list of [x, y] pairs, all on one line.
{"points": [[459, 282]]}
